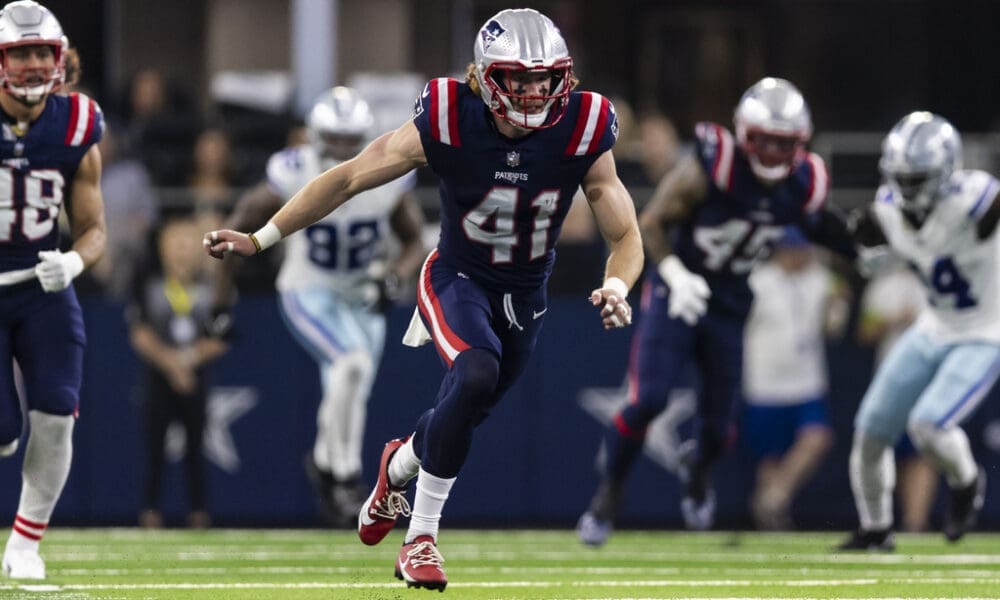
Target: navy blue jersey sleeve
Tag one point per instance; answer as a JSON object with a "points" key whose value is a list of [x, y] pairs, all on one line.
{"points": [[596, 127], [715, 149], [435, 112]]}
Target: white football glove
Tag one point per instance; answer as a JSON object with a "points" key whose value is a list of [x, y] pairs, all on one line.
{"points": [[56, 269], [689, 292]]}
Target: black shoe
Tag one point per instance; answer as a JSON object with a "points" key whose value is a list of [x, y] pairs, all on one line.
{"points": [[348, 497], [964, 507], [880, 540], [322, 483], [606, 501]]}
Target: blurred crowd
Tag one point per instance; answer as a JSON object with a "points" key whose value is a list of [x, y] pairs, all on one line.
{"points": [[163, 156]]}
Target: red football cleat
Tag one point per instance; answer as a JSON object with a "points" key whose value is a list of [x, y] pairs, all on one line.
{"points": [[379, 512], [419, 564]]}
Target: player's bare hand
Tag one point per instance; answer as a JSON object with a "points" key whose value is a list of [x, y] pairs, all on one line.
{"points": [[615, 309], [218, 243]]}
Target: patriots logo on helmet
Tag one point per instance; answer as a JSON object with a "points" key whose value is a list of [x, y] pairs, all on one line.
{"points": [[490, 32]]}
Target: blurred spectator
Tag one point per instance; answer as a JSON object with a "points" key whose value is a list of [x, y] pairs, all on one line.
{"points": [[160, 125], [648, 146], [785, 423], [890, 303], [212, 182], [171, 329], [660, 145], [130, 208]]}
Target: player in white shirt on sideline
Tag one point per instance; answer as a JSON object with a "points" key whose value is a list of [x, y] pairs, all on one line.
{"points": [[335, 282], [942, 220]]}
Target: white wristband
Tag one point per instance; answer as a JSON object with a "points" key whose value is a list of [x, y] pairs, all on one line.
{"points": [[268, 235], [616, 284]]}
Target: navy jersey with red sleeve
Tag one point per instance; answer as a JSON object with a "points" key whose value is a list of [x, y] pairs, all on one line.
{"points": [[37, 173], [741, 218], [503, 201]]}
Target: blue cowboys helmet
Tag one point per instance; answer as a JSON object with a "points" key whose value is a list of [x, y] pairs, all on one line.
{"points": [[773, 125], [339, 123], [918, 157], [519, 47], [28, 23]]}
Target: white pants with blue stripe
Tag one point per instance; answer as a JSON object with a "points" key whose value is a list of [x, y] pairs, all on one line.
{"points": [[923, 381], [347, 341]]}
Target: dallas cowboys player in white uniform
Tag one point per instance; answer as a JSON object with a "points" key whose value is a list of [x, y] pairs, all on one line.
{"points": [[334, 279], [942, 221]]}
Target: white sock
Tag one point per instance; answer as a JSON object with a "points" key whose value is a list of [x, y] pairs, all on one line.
{"points": [[47, 459], [404, 465], [341, 416], [432, 492], [949, 449], [873, 477]]}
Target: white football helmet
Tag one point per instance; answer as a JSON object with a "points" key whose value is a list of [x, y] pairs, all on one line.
{"points": [[516, 48], [918, 157], [773, 125], [339, 123], [28, 23]]}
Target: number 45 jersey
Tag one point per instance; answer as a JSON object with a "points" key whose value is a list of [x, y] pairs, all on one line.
{"points": [[337, 251], [37, 174], [959, 271], [503, 200], [741, 218]]}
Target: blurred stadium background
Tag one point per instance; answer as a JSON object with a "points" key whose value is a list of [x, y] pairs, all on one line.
{"points": [[250, 67]]}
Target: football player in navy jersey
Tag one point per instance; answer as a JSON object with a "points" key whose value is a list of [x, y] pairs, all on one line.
{"points": [[709, 220], [49, 153], [508, 174]]}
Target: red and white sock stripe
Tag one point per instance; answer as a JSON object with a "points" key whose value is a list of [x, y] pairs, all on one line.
{"points": [[32, 530]]}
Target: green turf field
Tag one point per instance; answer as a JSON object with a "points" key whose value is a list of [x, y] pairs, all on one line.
{"points": [[301, 564]]}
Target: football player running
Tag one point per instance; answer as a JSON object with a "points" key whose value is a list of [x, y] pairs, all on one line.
{"points": [[335, 283], [942, 220], [508, 173], [49, 152], [709, 221]]}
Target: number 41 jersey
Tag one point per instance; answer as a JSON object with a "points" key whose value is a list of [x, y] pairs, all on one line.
{"points": [[37, 173], [503, 201]]}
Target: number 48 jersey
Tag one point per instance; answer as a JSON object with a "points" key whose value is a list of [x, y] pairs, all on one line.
{"points": [[337, 251], [37, 173], [959, 271], [503, 200]]}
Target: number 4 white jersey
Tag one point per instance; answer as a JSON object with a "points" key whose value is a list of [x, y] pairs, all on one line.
{"points": [[959, 271], [337, 251]]}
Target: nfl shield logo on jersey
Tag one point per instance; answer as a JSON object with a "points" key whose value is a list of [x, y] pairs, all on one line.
{"points": [[513, 158]]}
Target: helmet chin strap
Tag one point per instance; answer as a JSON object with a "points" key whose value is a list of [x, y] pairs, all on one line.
{"points": [[522, 120], [28, 96], [768, 174]]}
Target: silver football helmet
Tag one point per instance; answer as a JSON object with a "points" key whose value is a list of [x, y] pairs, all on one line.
{"points": [[523, 68], [918, 157], [773, 125], [339, 123], [28, 23]]}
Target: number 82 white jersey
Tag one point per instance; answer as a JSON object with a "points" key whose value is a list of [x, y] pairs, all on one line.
{"points": [[336, 251]]}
